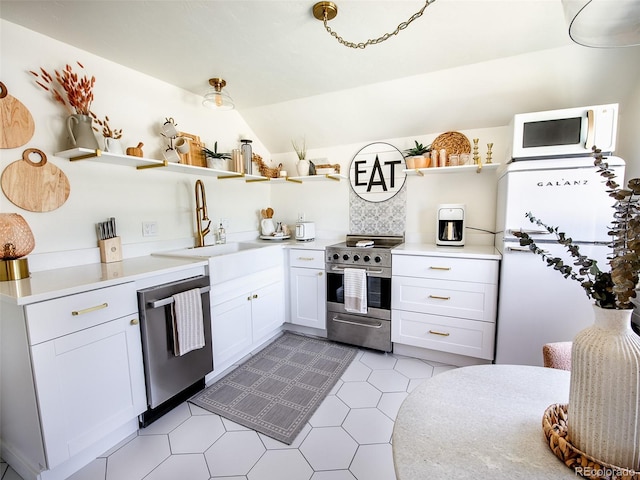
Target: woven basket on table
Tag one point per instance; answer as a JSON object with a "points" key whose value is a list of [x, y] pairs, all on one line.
{"points": [[554, 426], [452, 142]]}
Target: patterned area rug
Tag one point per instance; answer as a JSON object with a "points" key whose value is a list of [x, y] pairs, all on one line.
{"points": [[277, 390]]}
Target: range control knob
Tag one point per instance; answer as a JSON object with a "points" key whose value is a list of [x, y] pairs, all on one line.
{"points": [[356, 257], [345, 257], [367, 258], [336, 256], [377, 259]]}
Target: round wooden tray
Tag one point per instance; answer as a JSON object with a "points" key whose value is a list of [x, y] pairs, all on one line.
{"points": [[554, 425], [452, 142]]}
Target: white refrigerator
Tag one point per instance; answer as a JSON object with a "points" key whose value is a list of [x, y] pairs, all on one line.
{"points": [[536, 304]]}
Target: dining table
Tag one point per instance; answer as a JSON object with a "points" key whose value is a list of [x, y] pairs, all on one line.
{"points": [[480, 422]]}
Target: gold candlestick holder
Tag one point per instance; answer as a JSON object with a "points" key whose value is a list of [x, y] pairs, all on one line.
{"points": [[476, 156], [489, 146]]}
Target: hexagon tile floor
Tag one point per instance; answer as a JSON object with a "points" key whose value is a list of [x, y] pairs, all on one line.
{"points": [[347, 438]]}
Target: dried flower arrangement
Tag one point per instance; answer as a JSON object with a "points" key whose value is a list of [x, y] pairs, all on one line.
{"points": [[107, 131], [78, 90], [301, 150]]}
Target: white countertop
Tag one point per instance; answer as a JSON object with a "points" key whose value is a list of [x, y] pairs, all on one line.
{"points": [[481, 422], [486, 252], [48, 284]]}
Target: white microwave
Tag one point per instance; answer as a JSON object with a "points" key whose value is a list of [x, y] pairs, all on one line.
{"points": [[570, 132]]}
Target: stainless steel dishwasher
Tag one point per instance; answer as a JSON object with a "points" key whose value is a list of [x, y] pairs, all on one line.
{"points": [[171, 379]]}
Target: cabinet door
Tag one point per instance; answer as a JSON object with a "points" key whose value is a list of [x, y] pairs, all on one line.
{"points": [[267, 310], [308, 291], [231, 328], [88, 384]]}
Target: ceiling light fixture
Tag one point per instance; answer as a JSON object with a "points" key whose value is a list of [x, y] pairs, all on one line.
{"points": [[325, 11], [215, 98], [603, 23]]}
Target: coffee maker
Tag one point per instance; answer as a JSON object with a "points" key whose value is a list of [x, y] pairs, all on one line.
{"points": [[450, 218]]}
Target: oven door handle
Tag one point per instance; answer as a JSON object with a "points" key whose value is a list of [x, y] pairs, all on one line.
{"points": [[358, 324], [341, 269]]}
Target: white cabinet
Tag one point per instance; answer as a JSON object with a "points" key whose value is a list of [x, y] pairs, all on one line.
{"points": [[445, 304], [307, 288], [83, 357], [244, 313], [87, 383]]}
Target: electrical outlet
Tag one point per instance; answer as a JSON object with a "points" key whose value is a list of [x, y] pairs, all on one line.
{"points": [[150, 229]]}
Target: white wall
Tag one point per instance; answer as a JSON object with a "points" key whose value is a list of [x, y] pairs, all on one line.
{"points": [[138, 104]]}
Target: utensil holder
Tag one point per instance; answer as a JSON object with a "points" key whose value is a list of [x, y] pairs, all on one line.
{"points": [[110, 250]]}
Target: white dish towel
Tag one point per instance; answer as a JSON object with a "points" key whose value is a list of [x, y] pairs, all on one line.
{"points": [[188, 322], [355, 290]]}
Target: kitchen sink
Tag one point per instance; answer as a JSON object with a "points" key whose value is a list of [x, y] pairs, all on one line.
{"points": [[232, 260], [209, 251]]}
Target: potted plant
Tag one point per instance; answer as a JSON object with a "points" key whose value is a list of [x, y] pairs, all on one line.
{"points": [[418, 156], [217, 158], [111, 136], [301, 151], [607, 354], [75, 93]]}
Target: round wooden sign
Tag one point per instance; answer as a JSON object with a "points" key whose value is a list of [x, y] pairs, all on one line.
{"points": [[377, 172]]}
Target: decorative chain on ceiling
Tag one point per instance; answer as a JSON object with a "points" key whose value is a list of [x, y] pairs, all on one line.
{"points": [[326, 11]]}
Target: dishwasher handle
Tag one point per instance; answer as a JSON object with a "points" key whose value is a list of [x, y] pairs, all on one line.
{"points": [[169, 300]]}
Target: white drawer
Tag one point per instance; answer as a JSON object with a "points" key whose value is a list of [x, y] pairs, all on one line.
{"points": [[473, 301], [445, 334], [306, 258], [446, 268], [64, 315]]}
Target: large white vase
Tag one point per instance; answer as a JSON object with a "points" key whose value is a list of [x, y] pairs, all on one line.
{"points": [[604, 397]]}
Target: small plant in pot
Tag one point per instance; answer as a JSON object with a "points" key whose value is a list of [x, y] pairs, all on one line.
{"points": [[416, 157], [215, 159], [604, 393]]}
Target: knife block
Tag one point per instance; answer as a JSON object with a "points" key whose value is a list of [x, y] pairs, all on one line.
{"points": [[110, 250]]}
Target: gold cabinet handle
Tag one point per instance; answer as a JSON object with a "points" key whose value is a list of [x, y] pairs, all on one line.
{"points": [[439, 297], [442, 334], [255, 295], [89, 310], [134, 321], [439, 268], [320, 274], [249, 298]]}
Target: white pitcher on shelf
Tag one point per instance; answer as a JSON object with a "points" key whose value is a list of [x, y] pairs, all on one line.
{"points": [[267, 226]]}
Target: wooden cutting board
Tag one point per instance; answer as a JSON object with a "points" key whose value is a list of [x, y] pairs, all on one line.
{"points": [[16, 122], [35, 186]]}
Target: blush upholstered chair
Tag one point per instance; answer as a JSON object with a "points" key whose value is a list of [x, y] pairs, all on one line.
{"points": [[557, 355]]}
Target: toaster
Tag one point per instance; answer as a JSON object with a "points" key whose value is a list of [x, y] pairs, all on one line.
{"points": [[305, 231]]}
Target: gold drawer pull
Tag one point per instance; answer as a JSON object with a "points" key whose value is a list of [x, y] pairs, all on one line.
{"points": [[442, 334], [134, 321], [89, 310], [320, 274], [255, 295], [439, 297], [306, 259], [440, 268]]}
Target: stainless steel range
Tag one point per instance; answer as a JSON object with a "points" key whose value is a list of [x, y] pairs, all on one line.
{"points": [[371, 253]]}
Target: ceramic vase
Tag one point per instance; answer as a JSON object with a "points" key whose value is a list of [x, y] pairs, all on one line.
{"points": [[604, 397], [303, 168], [80, 130], [113, 145]]}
